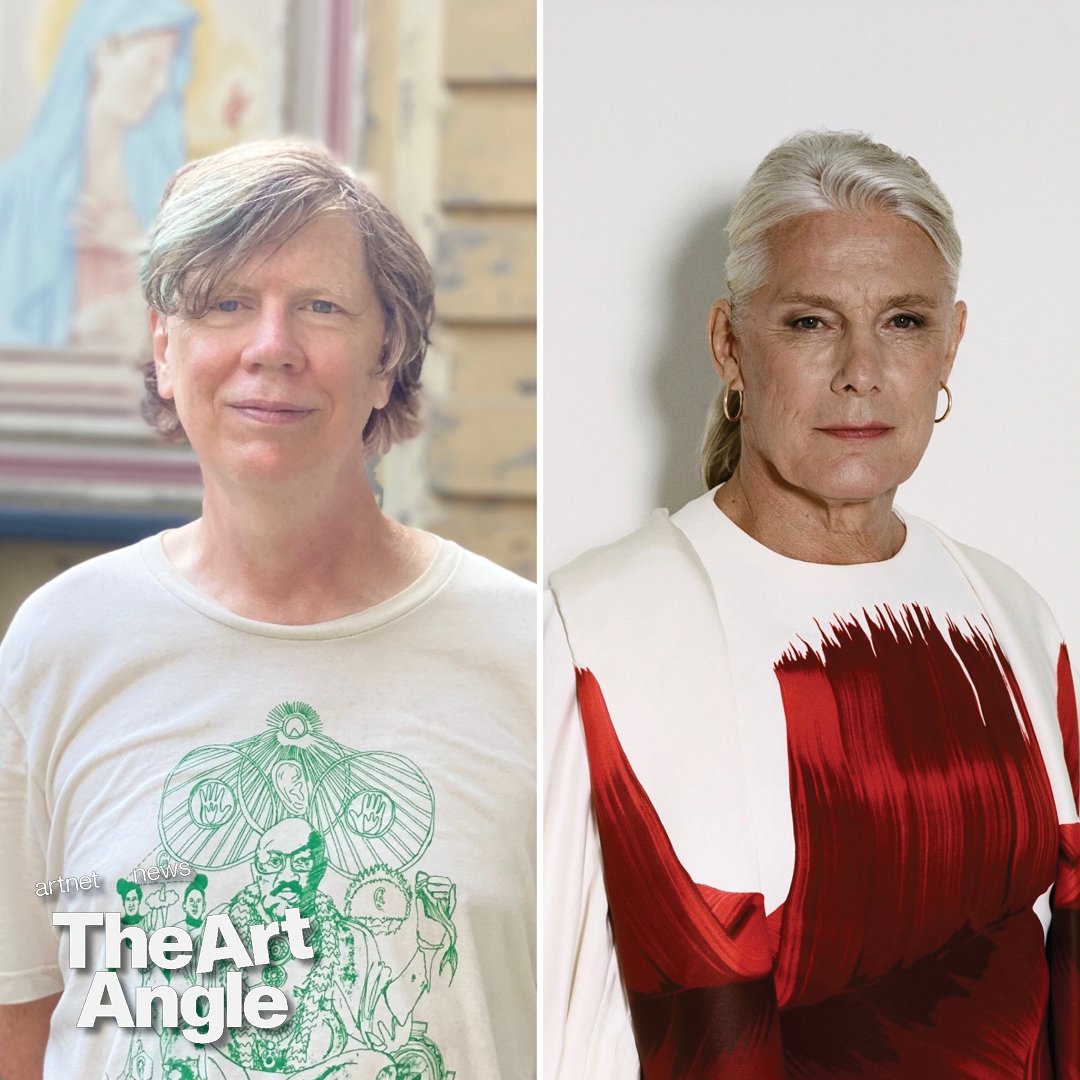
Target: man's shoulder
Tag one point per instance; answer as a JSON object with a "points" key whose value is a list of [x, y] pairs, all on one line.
{"points": [[486, 578], [79, 598], [481, 589]]}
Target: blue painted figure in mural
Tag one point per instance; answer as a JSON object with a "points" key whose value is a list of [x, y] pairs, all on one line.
{"points": [[77, 195]]}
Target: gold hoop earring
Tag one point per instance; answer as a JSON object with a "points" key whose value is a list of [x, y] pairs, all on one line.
{"points": [[948, 404], [727, 412]]}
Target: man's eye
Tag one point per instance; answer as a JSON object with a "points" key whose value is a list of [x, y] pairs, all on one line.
{"points": [[227, 305], [905, 322], [808, 322], [322, 307]]}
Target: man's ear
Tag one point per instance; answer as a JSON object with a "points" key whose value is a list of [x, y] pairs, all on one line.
{"points": [[383, 380], [159, 341], [724, 346]]}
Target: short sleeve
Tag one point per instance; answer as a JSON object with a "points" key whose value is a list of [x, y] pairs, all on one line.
{"points": [[29, 966], [587, 1029]]}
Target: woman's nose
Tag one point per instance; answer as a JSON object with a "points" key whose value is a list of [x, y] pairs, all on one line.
{"points": [[859, 363]]}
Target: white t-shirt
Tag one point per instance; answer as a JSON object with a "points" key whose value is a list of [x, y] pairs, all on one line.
{"points": [[844, 688], [391, 752]]}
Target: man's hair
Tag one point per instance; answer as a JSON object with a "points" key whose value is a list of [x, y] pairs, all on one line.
{"points": [[219, 211], [811, 172]]}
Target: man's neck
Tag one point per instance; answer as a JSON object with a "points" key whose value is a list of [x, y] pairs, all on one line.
{"points": [[290, 566]]}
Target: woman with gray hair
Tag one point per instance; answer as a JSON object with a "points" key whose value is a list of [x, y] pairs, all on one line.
{"points": [[811, 799], [292, 700]]}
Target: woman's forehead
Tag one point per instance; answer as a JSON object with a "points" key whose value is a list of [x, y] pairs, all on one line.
{"points": [[876, 248]]}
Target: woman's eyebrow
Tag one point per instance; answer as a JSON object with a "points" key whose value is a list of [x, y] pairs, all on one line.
{"points": [[809, 299], [819, 300]]}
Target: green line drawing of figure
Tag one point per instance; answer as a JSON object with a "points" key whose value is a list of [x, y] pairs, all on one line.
{"points": [[370, 1004], [306, 812], [131, 895], [195, 906]]}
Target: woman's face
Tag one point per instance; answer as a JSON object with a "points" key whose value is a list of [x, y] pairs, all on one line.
{"points": [[840, 355]]}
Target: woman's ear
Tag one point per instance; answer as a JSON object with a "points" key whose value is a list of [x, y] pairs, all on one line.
{"points": [[955, 337], [724, 346]]}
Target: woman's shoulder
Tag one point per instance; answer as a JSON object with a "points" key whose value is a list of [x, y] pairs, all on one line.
{"points": [[995, 581], [654, 548]]}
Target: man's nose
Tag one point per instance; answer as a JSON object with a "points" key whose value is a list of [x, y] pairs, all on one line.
{"points": [[273, 340]]}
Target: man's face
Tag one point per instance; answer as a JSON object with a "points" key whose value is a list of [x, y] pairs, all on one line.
{"points": [[288, 868], [131, 902], [277, 380]]}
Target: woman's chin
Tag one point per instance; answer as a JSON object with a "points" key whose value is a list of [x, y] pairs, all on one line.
{"points": [[850, 482]]}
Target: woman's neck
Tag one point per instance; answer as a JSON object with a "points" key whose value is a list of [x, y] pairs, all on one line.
{"points": [[807, 527]]}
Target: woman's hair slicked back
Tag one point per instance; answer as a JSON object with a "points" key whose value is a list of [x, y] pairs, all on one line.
{"points": [[815, 171]]}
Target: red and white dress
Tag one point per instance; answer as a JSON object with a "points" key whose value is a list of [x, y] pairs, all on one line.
{"points": [[805, 820]]}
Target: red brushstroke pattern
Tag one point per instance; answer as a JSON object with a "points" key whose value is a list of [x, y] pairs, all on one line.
{"points": [[1070, 729], [925, 829], [696, 961], [1064, 939]]}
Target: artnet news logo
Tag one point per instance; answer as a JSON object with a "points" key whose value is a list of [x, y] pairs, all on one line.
{"points": [[205, 1011]]}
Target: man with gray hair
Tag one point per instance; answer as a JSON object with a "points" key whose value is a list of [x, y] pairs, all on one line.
{"points": [[292, 660]]}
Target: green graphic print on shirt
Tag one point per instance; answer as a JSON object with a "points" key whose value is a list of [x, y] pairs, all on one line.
{"points": [[328, 830]]}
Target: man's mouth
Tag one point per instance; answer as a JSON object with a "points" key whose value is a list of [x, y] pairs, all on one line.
{"points": [[267, 411]]}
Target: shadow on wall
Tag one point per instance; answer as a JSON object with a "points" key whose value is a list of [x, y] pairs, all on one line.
{"points": [[684, 382]]}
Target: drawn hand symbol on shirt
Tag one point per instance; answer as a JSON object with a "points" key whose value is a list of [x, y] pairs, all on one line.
{"points": [[371, 813], [212, 803]]}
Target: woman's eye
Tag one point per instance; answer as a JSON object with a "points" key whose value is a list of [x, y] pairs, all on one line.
{"points": [[227, 305], [808, 322], [322, 307], [905, 322]]}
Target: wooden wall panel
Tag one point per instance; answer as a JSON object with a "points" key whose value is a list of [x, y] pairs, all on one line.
{"points": [[490, 41], [485, 269], [490, 360], [489, 149], [483, 446]]}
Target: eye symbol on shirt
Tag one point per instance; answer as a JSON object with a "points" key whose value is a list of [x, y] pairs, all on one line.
{"points": [[370, 813], [212, 803]]}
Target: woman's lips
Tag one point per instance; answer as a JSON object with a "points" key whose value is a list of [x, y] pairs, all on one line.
{"points": [[856, 431]]}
